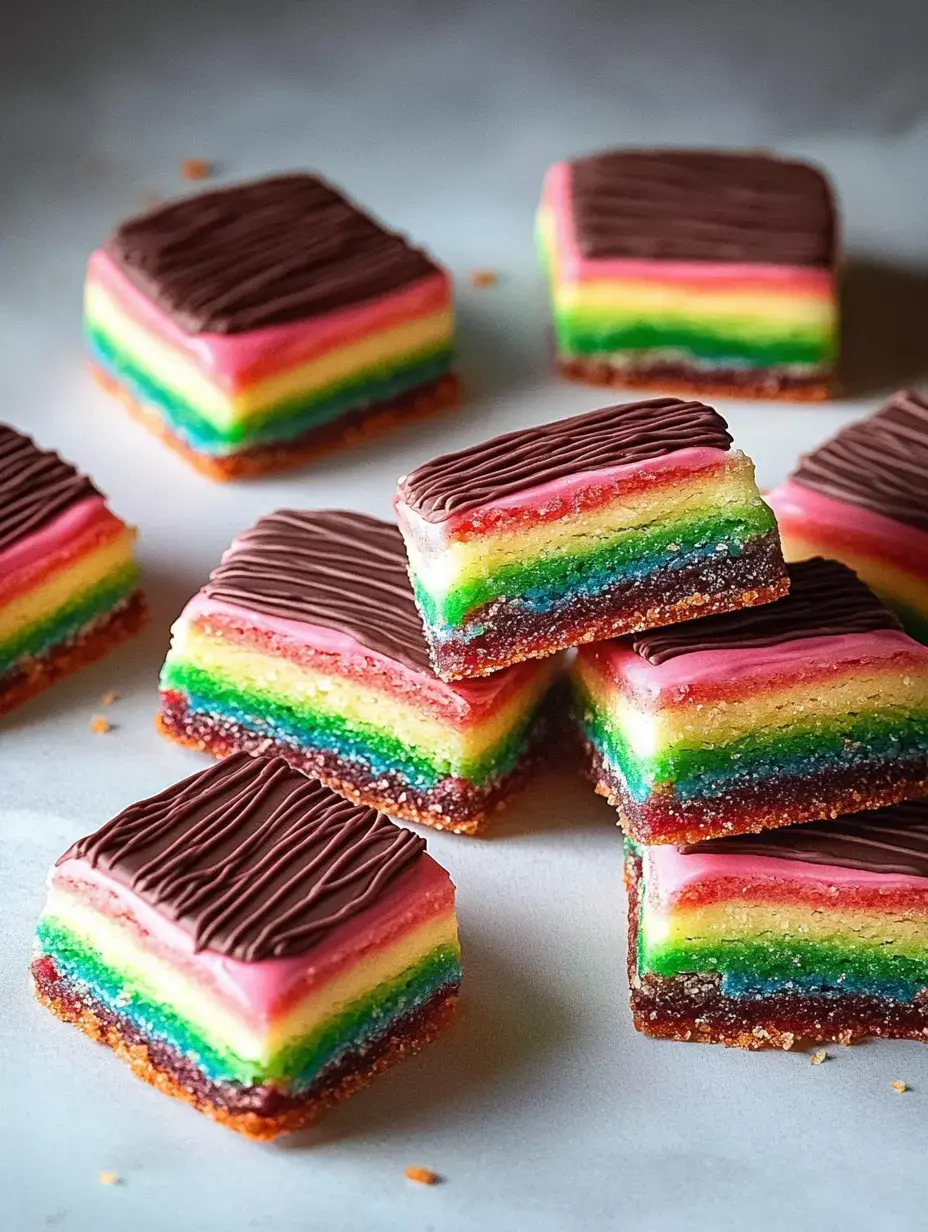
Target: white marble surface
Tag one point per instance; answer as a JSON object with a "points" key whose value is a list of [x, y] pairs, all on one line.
{"points": [[543, 1109]]}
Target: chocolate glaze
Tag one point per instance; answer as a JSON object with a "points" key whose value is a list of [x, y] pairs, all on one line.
{"points": [[263, 253], [888, 840], [331, 568], [520, 461], [825, 599], [691, 205], [35, 486], [879, 464], [252, 858]]}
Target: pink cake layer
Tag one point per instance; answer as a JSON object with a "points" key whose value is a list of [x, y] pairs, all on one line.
{"points": [[235, 361], [462, 704], [677, 880], [24, 564], [859, 531], [729, 675], [572, 267], [259, 992], [559, 497]]}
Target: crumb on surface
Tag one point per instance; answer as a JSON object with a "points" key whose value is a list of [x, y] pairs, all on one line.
{"points": [[899, 1086], [196, 169], [818, 1056], [484, 278], [99, 725], [107, 699], [422, 1176], [108, 1178]]}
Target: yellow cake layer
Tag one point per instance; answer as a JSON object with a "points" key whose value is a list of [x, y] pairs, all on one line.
{"points": [[728, 308], [726, 491], [301, 686], [880, 575], [223, 408], [649, 732], [57, 590], [251, 1039]]}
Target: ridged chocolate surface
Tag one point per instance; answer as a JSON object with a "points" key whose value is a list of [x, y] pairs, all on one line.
{"points": [[251, 857], [520, 461], [887, 840], [691, 205], [879, 464], [825, 599], [264, 253], [35, 486], [331, 568]]}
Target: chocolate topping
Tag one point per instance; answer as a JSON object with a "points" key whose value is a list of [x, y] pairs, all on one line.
{"points": [[825, 599], [879, 464], [264, 253], [691, 205], [886, 840], [251, 857], [326, 567], [35, 486], [520, 461]]}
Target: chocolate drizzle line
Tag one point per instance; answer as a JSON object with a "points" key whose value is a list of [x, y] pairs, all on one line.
{"points": [[888, 840], [880, 464], [35, 486], [264, 253], [519, 461], [330, 568], [251, 857], [689, 205], [825, 599]]}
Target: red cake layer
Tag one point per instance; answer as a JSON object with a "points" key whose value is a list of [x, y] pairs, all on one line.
{"points": [[261, 1112]]}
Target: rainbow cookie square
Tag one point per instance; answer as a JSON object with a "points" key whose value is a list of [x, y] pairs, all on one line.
{"points": [[69, 585], [306, 642], [253, 326], [621, 519], [811, 706], [862, 498], [812, 932], [680, 269], [251, 943]]}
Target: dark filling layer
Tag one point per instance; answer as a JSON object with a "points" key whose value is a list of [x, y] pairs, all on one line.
{"points": [[758, 383], [664, 597]]}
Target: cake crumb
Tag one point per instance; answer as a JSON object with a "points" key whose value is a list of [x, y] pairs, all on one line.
{"points": [[422, 1176], [818, 1056], [484, 278], [899, 1086], [196, 169], [108, 1178], [99, 725], [107, 699]]}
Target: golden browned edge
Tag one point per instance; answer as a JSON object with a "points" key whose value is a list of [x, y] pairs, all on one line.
{"points": [[445, 394], [652, 618], [591, 372], [251, 1124], [407, 812], [108, 633]]}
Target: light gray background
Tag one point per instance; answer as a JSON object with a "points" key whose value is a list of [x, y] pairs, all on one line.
{"points": [[542, 1109]]}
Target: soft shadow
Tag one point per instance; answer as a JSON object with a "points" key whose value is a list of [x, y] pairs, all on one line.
{"points": [[556, 801], [495, 360], [505, 1030], [883, 343]]}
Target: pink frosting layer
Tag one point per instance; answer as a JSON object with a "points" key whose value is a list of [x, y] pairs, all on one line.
{"points": [[572, 267], [259, 991], [861, 530], [30, 558], [670, 874], [234, 361], [610, 483], [675, 679]]}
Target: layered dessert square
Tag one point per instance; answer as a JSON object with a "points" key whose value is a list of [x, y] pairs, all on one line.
{"points": [[251, 943], [682, 269], [812, 706], [250, 327], [862, 498], [69, 587], [306, 642], [812, 932], [617, 520]]}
